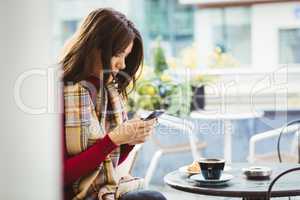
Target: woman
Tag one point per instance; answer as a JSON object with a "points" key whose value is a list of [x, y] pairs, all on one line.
{"points": [[99, 63]]}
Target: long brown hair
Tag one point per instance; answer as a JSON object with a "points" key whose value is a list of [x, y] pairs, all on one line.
{"points": [[110, 32]]}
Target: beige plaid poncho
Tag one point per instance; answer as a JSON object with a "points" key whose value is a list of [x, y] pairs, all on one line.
{"points": [[84, 124]]}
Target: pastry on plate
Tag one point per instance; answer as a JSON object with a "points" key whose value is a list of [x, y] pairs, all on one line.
{"points": [[194, 167]]}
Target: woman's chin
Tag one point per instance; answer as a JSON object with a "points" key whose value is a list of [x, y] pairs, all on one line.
{"points": [[115, 72]]}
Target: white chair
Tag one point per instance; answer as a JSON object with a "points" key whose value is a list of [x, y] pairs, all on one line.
{"points": [[179, 124], [271, 157], [127, 165]]}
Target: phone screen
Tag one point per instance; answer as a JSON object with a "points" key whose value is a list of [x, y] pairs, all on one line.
{"points": [[154, 114]]}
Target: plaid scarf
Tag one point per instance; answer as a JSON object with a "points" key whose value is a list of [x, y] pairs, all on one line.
{"points": [[85, 119]]}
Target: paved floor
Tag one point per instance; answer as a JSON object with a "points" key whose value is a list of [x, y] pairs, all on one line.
{"points": [[172, 194]]}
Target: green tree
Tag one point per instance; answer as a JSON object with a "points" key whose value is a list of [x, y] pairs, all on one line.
{"points": [[159, 60]]}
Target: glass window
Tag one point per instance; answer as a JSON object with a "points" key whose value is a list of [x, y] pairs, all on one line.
{"points": [[231, 28], [171, 21], [157, 18], [289, 46]]}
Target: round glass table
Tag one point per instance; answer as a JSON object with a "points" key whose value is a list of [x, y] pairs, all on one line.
{"points": [[240, 186]]}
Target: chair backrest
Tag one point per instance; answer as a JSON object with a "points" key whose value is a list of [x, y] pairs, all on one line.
{"points": [[174, 123], [268, 195], [298, 146], [280, 135], [126, 167]]}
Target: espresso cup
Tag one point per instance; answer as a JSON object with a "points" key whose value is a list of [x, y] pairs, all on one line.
{"points": [[211, 168]]}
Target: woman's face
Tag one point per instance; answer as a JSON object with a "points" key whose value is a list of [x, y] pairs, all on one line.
{"points": [[118, 61]]}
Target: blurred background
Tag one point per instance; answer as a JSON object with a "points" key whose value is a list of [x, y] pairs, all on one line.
{"points": [[223, 41], [215, 56]]}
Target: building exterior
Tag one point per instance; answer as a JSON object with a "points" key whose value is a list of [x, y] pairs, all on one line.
{"points": [[259, 38], [258, 33], [263, 38], [171, 22]]}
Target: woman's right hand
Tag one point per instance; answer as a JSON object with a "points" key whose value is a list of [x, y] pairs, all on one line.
{"points": [[132, 131]]}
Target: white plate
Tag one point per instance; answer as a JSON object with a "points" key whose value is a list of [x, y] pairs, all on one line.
{"points": [[224, 179], [184, 169]]}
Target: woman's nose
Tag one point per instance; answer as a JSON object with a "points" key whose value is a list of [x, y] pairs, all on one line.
{"points": [[122, 64]]}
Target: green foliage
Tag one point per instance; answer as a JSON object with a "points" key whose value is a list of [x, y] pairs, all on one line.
{"points": [[159, 60], [180, 100], [161, 88]]}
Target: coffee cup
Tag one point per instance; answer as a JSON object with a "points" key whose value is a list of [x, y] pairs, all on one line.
{"points": [[211, 168]]}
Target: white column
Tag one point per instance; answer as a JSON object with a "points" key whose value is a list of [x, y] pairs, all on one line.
{"points": [[29, 144], [228, 130]]}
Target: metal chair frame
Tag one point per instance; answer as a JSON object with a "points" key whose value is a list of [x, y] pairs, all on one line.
{"points": [[279, 139], [290, 127], [269, 193]]}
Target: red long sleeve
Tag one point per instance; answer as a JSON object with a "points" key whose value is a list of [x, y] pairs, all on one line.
{"points": [[87, 161], [125, 150]]}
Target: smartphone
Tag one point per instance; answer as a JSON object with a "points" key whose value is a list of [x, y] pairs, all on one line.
{"points": [[154, 114]]}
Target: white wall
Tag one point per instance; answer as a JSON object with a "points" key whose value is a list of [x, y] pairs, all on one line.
{"points": [[29, 144], [267, 19], [203, 36]]}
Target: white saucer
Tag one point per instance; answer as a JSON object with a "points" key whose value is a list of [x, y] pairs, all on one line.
{"points": [[184, 169], [224, 179]]}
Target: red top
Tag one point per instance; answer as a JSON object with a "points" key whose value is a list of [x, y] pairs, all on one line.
{"points": [[87, 161]]}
